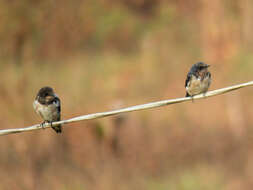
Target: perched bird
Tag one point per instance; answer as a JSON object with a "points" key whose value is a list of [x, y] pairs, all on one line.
{"points": [[198, 79], [48, 106]]}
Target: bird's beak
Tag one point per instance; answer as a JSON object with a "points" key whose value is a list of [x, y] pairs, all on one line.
{"points": [[208, 66]]}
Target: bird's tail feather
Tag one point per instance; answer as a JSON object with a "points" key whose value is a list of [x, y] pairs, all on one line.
{"points": [[57, 128]]}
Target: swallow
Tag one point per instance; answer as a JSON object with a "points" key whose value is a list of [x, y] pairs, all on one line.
{"points": [[48, 106], [198, 79]]}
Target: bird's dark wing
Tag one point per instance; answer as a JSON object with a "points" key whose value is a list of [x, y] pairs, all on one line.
{"points": [[188, 78], [57, 103], [209, 74]]}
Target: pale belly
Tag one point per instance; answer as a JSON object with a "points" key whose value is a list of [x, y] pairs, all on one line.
{"points": [[47, 112], [197, 86]]}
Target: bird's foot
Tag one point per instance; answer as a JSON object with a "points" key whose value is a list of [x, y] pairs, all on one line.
{"points": [[43, 124], [192, 99], [204, 94]]}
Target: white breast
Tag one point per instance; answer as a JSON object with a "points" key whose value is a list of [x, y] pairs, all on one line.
{"points": [[198, 86], [47, 112]]}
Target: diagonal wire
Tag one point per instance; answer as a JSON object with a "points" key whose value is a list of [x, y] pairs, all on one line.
{"points": [[129, 109]]}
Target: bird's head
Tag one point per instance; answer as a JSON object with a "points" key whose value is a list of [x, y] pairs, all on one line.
{"points": [[200, 66], [46, 95]]}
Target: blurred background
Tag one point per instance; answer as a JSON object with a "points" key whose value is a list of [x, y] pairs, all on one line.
{"points": [[101, 55]]}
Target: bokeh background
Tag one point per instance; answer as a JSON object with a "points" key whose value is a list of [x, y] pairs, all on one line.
{"points": [[101, 55]]}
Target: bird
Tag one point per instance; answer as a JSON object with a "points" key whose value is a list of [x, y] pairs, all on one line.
{"points": [[48, 105], [198, 79]]}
